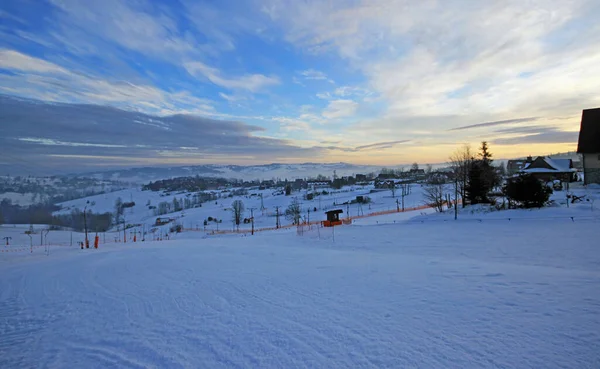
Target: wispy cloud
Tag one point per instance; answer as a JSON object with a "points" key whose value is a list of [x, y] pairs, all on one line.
{"points": [[13, 60], [340, 108], [345, 92], [250, 82], [496, 123], [131, 25], [381, 145], [34, 77], [545, 136], [312, 74], [376, 146], [231, 98]]}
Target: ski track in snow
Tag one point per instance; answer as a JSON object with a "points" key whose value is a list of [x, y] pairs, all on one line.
{"points": [[409, 295]]}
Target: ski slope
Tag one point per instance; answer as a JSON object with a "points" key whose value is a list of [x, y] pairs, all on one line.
{"points": [[433, 294], [382, 200]]}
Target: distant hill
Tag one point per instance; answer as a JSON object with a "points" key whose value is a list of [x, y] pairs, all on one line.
{"points": [[251, 172]]}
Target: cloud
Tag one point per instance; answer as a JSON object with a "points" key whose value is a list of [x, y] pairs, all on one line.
{"points": [[32, 130], [231, 98], [334, 146], [13, 60], [291, 124], [312, 74], [440, 58], [131, 25], [346, 92], [381, 145], [546, 136], [35, 78], [340, 109], [250, 82], [496, 123]]}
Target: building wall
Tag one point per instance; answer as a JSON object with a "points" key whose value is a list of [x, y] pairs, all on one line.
{"points": [[591, 168]]}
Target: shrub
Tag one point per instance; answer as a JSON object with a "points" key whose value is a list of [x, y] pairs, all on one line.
{"points": [[527, 191]]}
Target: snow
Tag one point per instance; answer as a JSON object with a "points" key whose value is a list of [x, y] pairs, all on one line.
{"points": [[412, 294], [18, 198], [382, 200]]}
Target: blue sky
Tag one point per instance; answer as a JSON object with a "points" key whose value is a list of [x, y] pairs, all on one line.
{"points": [[378, 82]]}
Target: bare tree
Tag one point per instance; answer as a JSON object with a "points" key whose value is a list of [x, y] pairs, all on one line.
{"points": [[237, 210], [293, 211], [460, 160], [118, 210], [405, 191], [433, 193], [414, 167], [392, 186]]}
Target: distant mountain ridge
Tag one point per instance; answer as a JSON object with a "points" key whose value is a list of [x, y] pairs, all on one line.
{"points": [[243, 172]]}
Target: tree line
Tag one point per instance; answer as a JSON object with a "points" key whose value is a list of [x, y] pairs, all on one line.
{"points": [[42, 214]]}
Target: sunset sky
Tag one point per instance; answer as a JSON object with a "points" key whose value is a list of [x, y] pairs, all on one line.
{"points": [[366, 82]]}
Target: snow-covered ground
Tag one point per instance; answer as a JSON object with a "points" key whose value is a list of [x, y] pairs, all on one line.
{"points": [[432, 294], [25, 199], [382, 200]]}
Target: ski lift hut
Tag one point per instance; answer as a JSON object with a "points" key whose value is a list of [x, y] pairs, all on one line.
{"points": [[333, 218]]}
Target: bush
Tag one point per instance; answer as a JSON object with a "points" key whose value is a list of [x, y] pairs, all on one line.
{"points": [[527, 191]]}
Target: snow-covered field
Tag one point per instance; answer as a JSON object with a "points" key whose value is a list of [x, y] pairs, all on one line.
{"points": [[436, 294], [382, 200]]}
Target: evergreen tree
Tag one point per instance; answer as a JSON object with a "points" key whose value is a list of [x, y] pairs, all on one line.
{"points": [[482, 177], [476, 189], [527, 191]]}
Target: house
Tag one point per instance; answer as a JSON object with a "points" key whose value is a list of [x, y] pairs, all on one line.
{"points": [[589, 145], [319, 184], [361, 177], [548, 169], [515, 166]]}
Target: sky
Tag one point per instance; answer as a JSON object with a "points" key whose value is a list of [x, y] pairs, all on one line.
{"points": [[248, 82]]}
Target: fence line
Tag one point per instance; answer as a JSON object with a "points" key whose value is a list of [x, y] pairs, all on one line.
{"points": [[346, 220]]}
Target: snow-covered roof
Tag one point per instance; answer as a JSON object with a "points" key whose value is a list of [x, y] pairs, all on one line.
{"points": [[541, 170], [562, 164], [556, 166]]}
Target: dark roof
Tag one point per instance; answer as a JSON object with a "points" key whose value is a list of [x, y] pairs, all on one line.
{"points": [[589, 133], [548, 165], [336, 211]]}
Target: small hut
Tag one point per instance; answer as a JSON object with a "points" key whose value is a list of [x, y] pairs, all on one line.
{"points": [[333, 218]]}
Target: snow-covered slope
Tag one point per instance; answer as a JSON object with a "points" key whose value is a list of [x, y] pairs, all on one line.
{"points": [[432, 295], [264, 217]]}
